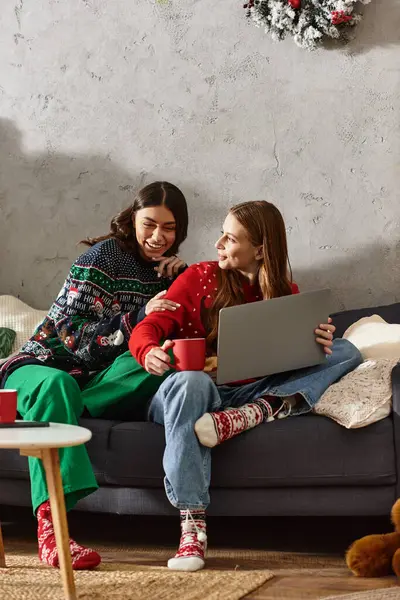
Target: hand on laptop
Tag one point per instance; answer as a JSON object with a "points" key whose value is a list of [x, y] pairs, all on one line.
{"points": [[324, 335], [157, 361]]}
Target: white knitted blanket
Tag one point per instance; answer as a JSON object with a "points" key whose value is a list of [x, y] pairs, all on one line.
{"points": [[361, 397]]}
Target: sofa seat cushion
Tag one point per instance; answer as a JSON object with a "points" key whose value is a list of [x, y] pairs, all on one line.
{"points": [[14, 466], [135, 455], [309, 450], [301, 451]]}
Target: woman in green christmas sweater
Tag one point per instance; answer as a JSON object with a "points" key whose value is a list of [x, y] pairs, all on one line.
{"points": [[78, 357]]}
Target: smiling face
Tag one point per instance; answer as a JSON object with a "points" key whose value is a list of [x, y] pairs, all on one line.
{"points": [[235, 251], [155, 229]]}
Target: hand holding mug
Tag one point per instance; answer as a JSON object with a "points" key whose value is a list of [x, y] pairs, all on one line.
{"points": [[157, 361], [189, 355]]}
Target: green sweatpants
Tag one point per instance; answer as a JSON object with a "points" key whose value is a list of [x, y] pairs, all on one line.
{"points": [[46, 394]]}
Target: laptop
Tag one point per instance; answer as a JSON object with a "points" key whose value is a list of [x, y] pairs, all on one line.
{"points": [[271, 336]]}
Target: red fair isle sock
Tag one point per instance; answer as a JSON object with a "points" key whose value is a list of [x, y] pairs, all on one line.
{"points": [[193, 542], [217, 427], [82, 558]]}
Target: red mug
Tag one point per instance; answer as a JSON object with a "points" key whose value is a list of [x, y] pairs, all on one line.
{"points": [[8, 406], [190, 355]]}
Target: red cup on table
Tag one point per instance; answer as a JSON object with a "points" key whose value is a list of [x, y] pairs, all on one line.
{"points": [[190, 354], [8, 406]]}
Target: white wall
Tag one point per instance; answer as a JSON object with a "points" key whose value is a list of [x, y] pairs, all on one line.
{"points": [[98, 98]]}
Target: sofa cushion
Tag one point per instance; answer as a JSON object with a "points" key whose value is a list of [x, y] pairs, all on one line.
{"points": [[374, 337], [302, 451], [135, 455], [99, 446], [309, 450], [362, 397], [14, 466]]}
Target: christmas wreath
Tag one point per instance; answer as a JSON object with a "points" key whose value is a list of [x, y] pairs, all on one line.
{"points": [[308, 21]]}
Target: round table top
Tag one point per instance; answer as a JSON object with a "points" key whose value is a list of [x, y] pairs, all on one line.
{"points": [[57, 435]]}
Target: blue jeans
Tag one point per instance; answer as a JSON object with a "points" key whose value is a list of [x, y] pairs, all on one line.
{"points": [[184, 397]]}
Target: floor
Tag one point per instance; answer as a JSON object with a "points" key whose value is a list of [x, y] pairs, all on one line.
{"points": [[306, 554]]}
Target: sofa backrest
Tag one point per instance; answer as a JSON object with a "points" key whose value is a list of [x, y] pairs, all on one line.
{"points": [[343, 320]]}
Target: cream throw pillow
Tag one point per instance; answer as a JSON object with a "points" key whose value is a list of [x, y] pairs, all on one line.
{"points": [[361, 397], [19, 317], [364, 395], [374, 337]]}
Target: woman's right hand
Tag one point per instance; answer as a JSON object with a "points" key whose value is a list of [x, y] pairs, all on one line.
{"points": [[160, 304], [169, 266], [157, 361]]}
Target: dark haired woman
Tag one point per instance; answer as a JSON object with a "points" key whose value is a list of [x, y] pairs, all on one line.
{"points": [[252, 265], [78, 357]]}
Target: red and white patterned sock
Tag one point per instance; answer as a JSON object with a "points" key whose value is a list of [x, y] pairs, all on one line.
{"points": [[82, 558], [193, 543], [217, 427]]}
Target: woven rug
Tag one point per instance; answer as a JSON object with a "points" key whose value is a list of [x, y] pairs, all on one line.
{"points": [[392, 593], [26, 579]]}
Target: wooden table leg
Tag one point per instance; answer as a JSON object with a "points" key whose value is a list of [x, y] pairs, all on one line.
{"points": [[2, 553], [51, 464]]}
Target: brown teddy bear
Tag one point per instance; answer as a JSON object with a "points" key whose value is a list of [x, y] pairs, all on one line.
{"points": [[377, 555]]}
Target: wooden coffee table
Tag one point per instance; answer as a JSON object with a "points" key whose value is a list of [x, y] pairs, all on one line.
{"points": [[43, 443]]}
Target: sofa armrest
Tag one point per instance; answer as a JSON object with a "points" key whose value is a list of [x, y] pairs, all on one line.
{"points": [[396, 419]]}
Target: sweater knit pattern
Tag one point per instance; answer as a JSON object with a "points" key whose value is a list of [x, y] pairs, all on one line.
{"points": [[195, 291], [92, 318]]}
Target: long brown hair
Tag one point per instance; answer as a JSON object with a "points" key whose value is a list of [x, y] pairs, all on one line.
{"points": [[265, 227], [159, 193]]}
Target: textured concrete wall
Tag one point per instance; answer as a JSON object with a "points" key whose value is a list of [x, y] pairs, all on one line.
{"points": [[98, 98]]}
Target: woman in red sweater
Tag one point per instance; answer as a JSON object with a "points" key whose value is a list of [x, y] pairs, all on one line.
{"points": [[252, 265]]}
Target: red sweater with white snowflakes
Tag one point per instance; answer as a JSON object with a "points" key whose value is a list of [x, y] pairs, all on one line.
{"points": [[194, 290]]}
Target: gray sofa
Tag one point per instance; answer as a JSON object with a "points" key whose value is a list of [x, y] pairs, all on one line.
{"points": [[298, 466]]}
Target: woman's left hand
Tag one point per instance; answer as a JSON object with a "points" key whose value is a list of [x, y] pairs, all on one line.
{"points": [[169, 266], [324, 335], [160, 304]]}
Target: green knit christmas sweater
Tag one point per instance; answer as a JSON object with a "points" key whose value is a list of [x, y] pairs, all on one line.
{"points": [[91, 321]]}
